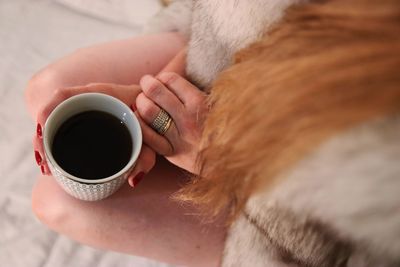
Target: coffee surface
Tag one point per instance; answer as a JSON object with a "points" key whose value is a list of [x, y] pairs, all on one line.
{"points": [[92, 145]]}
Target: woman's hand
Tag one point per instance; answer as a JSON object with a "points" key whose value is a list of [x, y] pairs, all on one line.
{"points": [[125, 93], [186, 104]]}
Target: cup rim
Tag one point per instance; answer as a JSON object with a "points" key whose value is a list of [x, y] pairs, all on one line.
{"points": [[135, 152]]}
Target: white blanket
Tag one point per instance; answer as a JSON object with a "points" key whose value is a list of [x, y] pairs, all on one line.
{"points": [[32, 34]]}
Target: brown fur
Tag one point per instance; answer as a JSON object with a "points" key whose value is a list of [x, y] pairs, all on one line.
{"points": [[328, 67]]}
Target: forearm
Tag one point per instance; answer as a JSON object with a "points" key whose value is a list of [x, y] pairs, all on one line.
{"points": [[119, 62]]}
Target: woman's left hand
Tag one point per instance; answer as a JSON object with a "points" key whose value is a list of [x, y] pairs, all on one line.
{"points": [[125, 93], [187, 107]]}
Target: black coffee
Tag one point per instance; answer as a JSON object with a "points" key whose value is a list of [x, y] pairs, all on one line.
{"points": [[92, 145]]}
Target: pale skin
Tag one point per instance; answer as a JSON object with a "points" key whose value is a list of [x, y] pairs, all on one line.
{"points": [[142, 220]]}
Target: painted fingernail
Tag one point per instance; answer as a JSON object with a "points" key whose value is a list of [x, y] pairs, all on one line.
{"points": [[38, 158], [138, 178], [39, 130], [42, 170], [133, 107]]}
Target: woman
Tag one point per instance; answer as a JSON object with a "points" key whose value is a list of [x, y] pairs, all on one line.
{"points": [[300, 145], [142, 221], [194, 243]]}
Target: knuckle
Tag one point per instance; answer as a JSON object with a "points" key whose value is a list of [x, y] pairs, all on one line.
{"points": [[168, 150], [153, 89], [93, 84], [146, 108], [36, 142], [198, 100], [62, 93], [147, 111], [140, 99], [43, 114], [188, 125], [168, 77]]}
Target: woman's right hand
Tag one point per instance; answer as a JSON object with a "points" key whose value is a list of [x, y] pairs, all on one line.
{"points": [[125, 93]]}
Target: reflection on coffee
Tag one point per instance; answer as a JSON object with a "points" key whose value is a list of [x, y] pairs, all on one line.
{"points": [[92, 145]]}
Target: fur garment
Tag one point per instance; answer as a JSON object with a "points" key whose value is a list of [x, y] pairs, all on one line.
{"points": [[302, 141], [217, 30]]}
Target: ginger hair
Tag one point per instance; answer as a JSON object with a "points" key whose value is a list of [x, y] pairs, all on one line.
{"points": [[327, 67]]}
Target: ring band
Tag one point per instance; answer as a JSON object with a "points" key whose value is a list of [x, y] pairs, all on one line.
{"points": [[162, 122]]}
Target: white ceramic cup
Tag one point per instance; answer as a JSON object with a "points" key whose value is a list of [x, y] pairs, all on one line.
{"points": [[85, 189]]}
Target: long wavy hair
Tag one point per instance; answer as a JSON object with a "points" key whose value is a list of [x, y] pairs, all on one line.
{"points": [[328, 66]]}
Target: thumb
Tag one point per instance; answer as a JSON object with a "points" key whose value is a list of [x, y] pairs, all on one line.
{"points": [[145, 162]]}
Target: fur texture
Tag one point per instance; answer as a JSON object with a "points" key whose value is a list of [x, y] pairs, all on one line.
{"points": [[287, 86], [217, 30], [349, 186], [221, 28], [302, 139], [338, 206], [318, 129]]}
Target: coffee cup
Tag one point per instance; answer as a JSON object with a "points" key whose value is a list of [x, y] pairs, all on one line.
{"points": [[89, 176]]}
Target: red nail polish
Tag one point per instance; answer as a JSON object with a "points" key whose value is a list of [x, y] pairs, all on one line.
{"points": [[39, 130], [38, 158], [138, 178], [133, 107], [42, 170]]}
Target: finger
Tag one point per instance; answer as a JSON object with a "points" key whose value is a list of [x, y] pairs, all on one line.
{"points": [[158, 143], [145, 162], [177, 64], [125, 93], [183, 89], [160, 95], [44, 168], [39, 155], [148, 111]]}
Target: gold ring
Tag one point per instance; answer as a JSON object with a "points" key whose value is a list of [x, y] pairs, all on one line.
{"points": [[162, 122]]}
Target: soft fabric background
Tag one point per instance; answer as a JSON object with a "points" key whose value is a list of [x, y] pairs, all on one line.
{"points": [[32, 34]]}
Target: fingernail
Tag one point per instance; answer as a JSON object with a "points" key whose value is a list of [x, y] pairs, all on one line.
{"points": [[38, 158], [138, 178], [133, 107], [42, 170], [39, 130]]}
